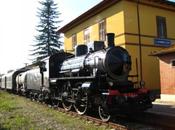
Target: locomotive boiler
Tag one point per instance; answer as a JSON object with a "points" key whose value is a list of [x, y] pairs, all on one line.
{"points": [[114, 62]]}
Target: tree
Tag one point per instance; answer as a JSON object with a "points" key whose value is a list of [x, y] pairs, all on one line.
{"points": [[48, 40]]}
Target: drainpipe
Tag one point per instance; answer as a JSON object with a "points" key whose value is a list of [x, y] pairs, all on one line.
{"points": [[140, 46]]}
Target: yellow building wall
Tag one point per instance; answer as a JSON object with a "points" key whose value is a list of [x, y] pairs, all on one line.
{"points": [[68, 47], [134, 52], [150, 65], [94, 32], [148, 32], [115, 24]]}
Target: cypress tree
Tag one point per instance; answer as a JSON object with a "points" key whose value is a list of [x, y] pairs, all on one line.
{"points": [[48, 40]]}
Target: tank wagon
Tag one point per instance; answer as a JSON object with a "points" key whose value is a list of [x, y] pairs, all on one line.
{"points": [[8, 81], [95, 78]]}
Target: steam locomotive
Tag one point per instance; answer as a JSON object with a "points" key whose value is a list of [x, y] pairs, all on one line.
{"points": [[95, 78]]}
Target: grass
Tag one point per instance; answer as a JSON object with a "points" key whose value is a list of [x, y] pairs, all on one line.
{"points": [[19, 113], [8, 104]]}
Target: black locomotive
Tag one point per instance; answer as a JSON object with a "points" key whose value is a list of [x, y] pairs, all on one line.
{"points": [[95, 78]]}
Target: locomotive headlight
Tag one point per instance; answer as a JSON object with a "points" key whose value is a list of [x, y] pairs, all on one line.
{"points": [[111, 83]]}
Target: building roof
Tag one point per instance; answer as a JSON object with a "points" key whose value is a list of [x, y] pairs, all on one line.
{"points": [[104, 5], [164, 51]]}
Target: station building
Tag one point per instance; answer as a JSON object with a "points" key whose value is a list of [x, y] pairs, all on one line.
{"points": [[140, 26]]}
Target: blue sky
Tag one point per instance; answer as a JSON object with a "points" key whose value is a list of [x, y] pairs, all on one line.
{"points": [[17, 27], [70, 9]]}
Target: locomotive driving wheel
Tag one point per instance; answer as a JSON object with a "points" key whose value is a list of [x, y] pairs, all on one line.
{"points": [[67, 96], [41, 98], [103, 113], [81, 103]]}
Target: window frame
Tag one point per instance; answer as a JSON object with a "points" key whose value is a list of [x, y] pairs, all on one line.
{"points": [[161, 27], [102, 30], [86, 33], [74, 40]]}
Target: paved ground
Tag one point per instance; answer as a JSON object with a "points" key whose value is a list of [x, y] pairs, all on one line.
{"points": [[163, 108]]}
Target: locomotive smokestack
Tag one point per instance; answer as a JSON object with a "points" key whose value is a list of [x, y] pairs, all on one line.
{"points": [[110, 39]]}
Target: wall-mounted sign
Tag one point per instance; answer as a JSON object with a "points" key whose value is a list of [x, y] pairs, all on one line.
{"points": [[162, 42]]}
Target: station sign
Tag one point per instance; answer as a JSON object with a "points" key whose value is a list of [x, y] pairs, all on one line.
{"points": [[162, 42]]}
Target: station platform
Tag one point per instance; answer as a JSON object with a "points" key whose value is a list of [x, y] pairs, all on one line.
{"points": [[162, 115], [164, 108]]}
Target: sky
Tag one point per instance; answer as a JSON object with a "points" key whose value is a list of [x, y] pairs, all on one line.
{"points": [[18, 27]]}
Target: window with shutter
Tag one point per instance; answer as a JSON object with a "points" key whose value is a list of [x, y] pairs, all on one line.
{"points": [[102, 30], [87, 35], [74, 40]]}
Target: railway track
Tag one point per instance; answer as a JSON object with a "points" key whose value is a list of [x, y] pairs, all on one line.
{"points": [[120, 123], [94, 120], [150, 120]]}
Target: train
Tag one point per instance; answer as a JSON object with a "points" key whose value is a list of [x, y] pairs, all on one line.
{"points": [[95, 78]]}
